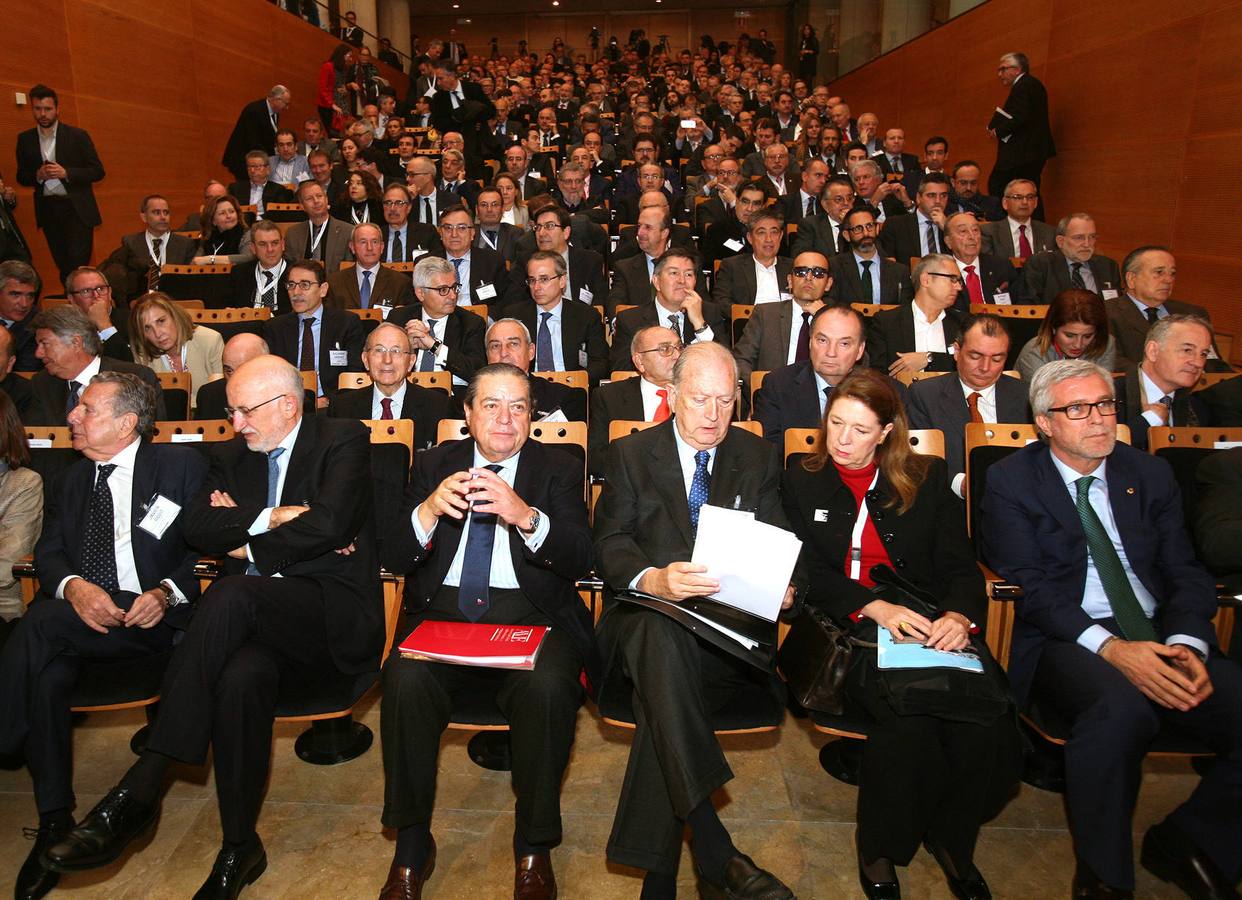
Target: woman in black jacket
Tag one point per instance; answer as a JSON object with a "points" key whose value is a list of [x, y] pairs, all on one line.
{"points": [[923, 779]]}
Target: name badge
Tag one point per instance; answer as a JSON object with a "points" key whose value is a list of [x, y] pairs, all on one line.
{"points": [[385, 306], [1001, 298], [733, 244], [39, 443], [786, 296], [161, 512], [338, 357], [486, 291], [585, 295], [415, 254], [821, 515], [186, 438], [1108, 294]]}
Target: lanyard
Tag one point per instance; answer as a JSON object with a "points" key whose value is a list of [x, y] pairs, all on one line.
{"points": [[856, 536], [316, 238]]}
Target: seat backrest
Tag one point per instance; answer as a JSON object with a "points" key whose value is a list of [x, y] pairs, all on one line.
{"points": [[232, 321], [177, 388], [1022, 321], [575, 378], [370, 314], [189, 304], [925, 441], [392, 455], [1184, 449], [441, 380], [479, 309], [348, 380], [205, 431], [51, 452], [1209, 379], [756, 382], [310, 382], [867, 310], [622, 374], [739, 315]]}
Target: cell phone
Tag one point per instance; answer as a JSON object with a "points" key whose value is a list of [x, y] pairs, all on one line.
{"points": [[687, 123]]}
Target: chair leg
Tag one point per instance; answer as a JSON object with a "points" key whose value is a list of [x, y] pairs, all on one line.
{"points": [[331, 741], [138, 743], [842, 758], [490, 750]]}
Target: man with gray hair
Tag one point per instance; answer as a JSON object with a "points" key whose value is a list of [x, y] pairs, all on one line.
{"points": [[654, 351], [444, 337], [257, 189], [1074, 264], [508, 341], [20, 285], [68, 344], [453, 178], [116, 582], [1114, 636], [1160, 390], [1023, 134], [255, 129]]}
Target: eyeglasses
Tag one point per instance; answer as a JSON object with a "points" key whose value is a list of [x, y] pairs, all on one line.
{"points": [[443, 290], [665, 350], [810, 272], [455, 229], [546, 226], [955, 279], [98, 291], [1028, 198], [247, 411], [542, 279], [294, 287], [393, 204], [859, 229], [1083, 410], [388, 351]]}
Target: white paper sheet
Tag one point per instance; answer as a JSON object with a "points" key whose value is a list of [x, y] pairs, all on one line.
{"points": [[752, 560]]}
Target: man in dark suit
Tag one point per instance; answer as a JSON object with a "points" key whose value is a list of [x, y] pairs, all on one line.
{"points": [[886, 199], [256, 189], [261, 282], [72, 354], [255, 130], [518, 164], [16, 386], [492, 233], [917, 336], [643, 398], [893, 161], [349, 31], [240, 348], [823, 233], [20, 286], [445, 337], [760, 276], [721, 197], [678, 234], [426, 199], [1073, 264], [88, 289], [885, 282], [645, 522], [133, 268], [480, 270], [529, 498], [388, 360], [406, 238], [1021, 127], [115, 584], [461, 106], [552, 229], [509, 341], [631, 274], [777, 334], [570, 179], [728, 237], [1150, 273], [368, 283], [568, 336], [320, 237], [980, 392], [677, 304], [453, 178], [1019, 234], [915, 234], [315, 337], [1114, 633], [966, 196], [280, 499], [60, 163], [985, 278], [802, 204], [1159, 391]]}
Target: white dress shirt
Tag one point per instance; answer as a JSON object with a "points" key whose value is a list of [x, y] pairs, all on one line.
{"points": [[260, 281], [53, 187], [163, 239], [377, 398], [374, 270], [1152, 394], [84, 377], [260, 524], [662, 317], [651, 400], [554, 330], [767, 285], [121, 485], [929, 336]]}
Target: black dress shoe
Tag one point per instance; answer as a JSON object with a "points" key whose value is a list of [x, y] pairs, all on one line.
{"points": [[34, 879], [743, 880], [878, 885], [233, 870], [101, 837], [1088, 887], [968, 886], [1171, 856]]}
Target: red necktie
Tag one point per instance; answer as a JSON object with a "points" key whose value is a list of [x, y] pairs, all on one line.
{"points": [[662, 411], [386, 402], [973, 285], [972, 401], [1024, 246]]}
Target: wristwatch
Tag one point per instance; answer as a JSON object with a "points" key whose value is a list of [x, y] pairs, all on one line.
{"points": [[532, 524], [436, 345], [699, 331], [170, 595]]}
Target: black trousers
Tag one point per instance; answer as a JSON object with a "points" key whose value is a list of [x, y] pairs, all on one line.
{"points": [[248, 632], [69, 238], [1113, 725], [39, 668], [675, 759], [541, 706], [1002, 175], [927, 776]]}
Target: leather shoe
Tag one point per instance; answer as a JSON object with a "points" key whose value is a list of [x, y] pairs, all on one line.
{"points": [[1088, 887], [404, 883], [102, 836], [881, 882], [34, 879], [970, 886], [743, 880], [1171, 856], [232, 871], [533, 878]]}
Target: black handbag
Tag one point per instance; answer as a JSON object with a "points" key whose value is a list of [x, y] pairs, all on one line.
{"points": [[815, 658]]}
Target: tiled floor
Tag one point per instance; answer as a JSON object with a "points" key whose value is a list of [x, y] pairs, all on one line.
{"points": [[321, 825]]}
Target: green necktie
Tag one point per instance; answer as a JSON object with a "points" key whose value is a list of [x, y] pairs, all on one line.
{"points": [[1133, 622]]}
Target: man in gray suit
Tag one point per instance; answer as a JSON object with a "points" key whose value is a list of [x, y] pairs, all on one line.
{"points": [[774, 336], [760, 276], [1073, 264], [1019, 234], [978, 391], [133, 268], [321, 237]]}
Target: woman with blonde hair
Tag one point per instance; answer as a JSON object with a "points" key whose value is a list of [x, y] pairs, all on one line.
{"points": [[21, 507], [163, 338]]}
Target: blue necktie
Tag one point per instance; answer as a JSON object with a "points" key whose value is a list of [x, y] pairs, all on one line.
{"points": [[364, 292], [473, 597], [699, 486], [428, 362], [544, 360], [273, 481]]}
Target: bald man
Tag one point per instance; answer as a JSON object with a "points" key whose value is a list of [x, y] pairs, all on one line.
{"points": [[239, 349]]}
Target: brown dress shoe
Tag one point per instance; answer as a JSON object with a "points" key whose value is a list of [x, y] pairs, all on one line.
{"points": [[534, 879], [404, 883]]}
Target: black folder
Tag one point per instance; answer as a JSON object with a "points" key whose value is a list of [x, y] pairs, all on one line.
{"points": [[761, 631]]}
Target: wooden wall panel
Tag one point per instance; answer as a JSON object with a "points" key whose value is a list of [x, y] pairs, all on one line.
{"points": [[158, 86], [1146, 108]]}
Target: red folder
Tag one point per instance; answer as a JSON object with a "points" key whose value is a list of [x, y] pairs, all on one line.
{"points": [[475, 644]]}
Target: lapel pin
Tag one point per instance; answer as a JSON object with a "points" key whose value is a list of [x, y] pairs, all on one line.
{"points": [[1130, 490]]}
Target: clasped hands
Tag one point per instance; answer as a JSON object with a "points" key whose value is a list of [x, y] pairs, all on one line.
{"points": [[949, 632], [279, 516], [1173, 676], [478, 488], [683, 580], [94, 606]]}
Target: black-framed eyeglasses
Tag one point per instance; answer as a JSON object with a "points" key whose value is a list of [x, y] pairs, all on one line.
{"points": [[955, 279], [299, 286], [860, 229], [665, 350], [444, 289], [810, 272], [1083, 410], [247, 411], [395, 204], [97, 291]]}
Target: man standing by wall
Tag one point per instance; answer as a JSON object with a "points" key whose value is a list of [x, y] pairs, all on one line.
{"points": [[1021, 128]]}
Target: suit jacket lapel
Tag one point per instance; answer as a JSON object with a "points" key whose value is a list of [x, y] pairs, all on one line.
{"points": [[668, 481], [1050, 486], [806, 394], [784, 323], [905, 325], [725, 469], [1126, 501], [145, 483], [299, 462]]}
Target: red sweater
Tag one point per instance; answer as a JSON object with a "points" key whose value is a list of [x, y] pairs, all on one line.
{"points": [[874, 552]]}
